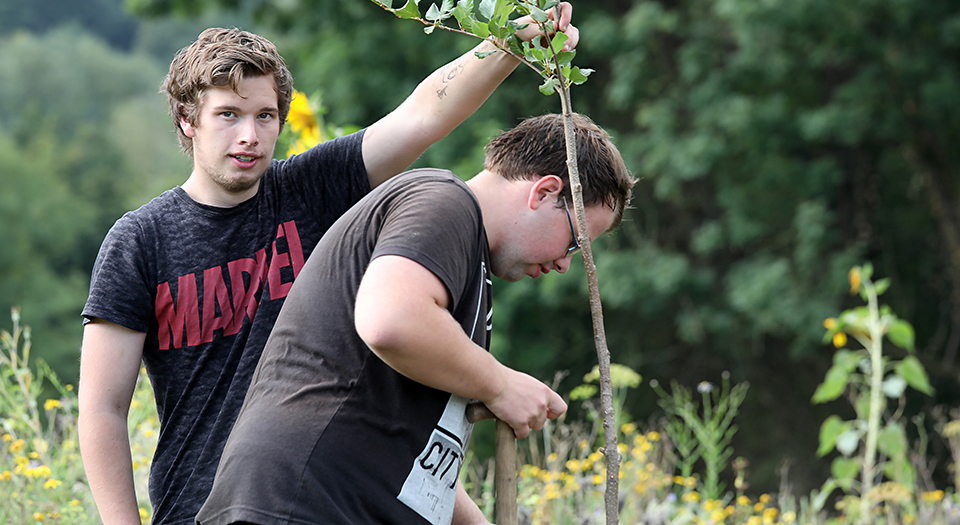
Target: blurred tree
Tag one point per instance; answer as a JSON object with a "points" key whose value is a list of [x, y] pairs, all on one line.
{"points": [[106, 18], [78, 147]]}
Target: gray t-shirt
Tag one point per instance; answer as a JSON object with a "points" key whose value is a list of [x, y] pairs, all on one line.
{"points": [[331, 434], [206, 284]]}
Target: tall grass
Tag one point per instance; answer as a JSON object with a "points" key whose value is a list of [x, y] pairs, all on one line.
{"points": [[41, 474]]}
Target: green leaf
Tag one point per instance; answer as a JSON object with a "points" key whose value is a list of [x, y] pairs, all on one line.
{"points": [[579, 76], [901, 334], [848, 441], [549, 86], [892, 441], [832, 386], [830, 430], [912, 371], [539, 15], [433, 14], [484, 54], [845, 468], [488, 9], [900, 470], [409, 10], [463, 14], [564, 58], [497, 30], [881, 286], [517, 26], [894, 386], [847, 359], [558, 40], [819, 499], [534, 53]]}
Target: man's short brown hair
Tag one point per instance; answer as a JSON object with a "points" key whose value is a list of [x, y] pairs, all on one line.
{"points": [[222, 57], [537, 147]]}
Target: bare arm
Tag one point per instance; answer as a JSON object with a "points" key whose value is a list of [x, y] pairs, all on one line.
{"points": [[440, 103], [109, 364], [466, 511], [401, 314]]}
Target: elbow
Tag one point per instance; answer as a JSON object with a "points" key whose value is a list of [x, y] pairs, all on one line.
{"points": [[379, 334]]}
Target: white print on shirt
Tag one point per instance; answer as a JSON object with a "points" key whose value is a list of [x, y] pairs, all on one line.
{"points": [[431, 486]]}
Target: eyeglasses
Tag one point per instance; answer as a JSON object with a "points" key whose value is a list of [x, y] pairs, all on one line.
{"points": [[576, 244]]}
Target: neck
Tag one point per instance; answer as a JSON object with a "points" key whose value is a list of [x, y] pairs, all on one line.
{"points": [[498, 203], [204, 191]]}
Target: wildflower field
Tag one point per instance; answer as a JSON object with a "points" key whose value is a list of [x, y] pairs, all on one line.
{"points": [[672, 473]]}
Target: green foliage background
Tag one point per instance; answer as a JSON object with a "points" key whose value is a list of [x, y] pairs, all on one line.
{"points": [[778, 143]]}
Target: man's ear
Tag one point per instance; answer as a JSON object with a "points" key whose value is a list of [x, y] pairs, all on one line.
{"points": [[545, 190], [188, 129]]}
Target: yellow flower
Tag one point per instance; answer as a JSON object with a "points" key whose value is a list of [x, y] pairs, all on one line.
{"points": [[789, 517], [743, 501], [770, 515], [34, 455], [7, 437], [629, 428], [301, 115], [691, 497], [854, 280], [52, 483], [74, 503], [829, 323], [933, 496], [17, 445], [5, 475], [69, 388], [573, 465], [653, 436], [839, 339], [143, 515], [37, 516], [50, 404], [597, 479]]}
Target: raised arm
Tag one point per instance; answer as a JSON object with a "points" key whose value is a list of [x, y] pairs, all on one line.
{"points": [[401, 313], [109, 364], [441, 102]]}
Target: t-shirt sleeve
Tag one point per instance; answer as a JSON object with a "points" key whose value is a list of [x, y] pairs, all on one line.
{"points": [[330, 176], [438, 227], [118, 289]]}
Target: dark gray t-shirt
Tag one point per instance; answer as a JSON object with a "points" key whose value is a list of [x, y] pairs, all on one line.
{"points": [[206, 284], [331, 434]]}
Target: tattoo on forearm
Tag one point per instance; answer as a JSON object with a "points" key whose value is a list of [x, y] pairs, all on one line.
{"points": [[447, 75]]}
